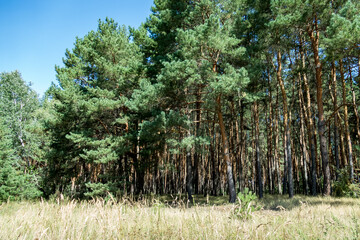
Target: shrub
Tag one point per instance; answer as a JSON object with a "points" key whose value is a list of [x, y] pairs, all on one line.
{"points": [[343, 187], [245, 205]]}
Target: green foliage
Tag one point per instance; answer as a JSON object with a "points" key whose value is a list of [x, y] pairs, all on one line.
{"points": [[14, 183], [100, 189], [20, 139], [130, 104], [343, 187], [167, 17], [344, 31], [18, 108], [245, 205], [93, 122]]}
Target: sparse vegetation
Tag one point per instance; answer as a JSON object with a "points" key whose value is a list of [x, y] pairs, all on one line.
{"points": [[159, 218]]}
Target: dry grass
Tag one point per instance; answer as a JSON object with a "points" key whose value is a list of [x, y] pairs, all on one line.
{"points": [[280, 218]]}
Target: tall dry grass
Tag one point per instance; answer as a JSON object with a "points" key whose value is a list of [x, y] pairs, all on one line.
{"points": [[280, 218]]}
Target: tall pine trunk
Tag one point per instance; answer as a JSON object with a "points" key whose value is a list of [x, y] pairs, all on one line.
{"points": [[270, 138], [257, 146], [309, 123], [189, 172], [336, 121], [226, 152], [276, 152], [286, 128], [346, 121], [303, 141], [321, 122]]}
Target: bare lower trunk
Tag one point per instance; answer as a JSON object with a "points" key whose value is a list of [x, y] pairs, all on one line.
{"points": [[189, 176], [346, 121], [242, 149], [286, 128], [226, 153], [303, 142], [336, 132], [276, 154], [354, 105], [270, 135], [321, 124], [258, 162], [310, 124], [356, 115], [189, 172]]}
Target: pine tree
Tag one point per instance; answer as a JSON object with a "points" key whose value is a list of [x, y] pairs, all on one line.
{"points": [[92, 128], [342, 41], [312, 18], [211, 48]]}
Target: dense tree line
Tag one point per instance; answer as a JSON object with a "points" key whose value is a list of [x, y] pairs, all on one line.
{"points": [[206, 97], [21, 157]]}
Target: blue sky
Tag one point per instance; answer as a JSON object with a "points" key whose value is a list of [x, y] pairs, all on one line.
{"points": [[36, 33]]}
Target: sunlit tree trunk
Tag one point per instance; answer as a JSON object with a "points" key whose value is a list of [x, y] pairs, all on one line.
{"points": [[336, 121], [286, 127], [257, 149], [276, 152], [305, 154], [314, 35], [346, 121], [309, 123]]}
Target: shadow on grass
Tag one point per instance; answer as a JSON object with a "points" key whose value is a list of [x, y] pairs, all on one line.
{"points": [[280, 202], [181, 200], [269, 202]]}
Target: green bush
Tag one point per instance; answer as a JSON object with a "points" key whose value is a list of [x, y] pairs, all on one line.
{"points": [[15, 183], [245, 205], [343, 187]]}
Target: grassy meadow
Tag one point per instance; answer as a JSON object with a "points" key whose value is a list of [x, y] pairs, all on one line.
{"points": [[165, 218]]}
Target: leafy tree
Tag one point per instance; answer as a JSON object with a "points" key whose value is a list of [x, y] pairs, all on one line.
{"points": [[20, 151], [14, 184], [18, 103]]}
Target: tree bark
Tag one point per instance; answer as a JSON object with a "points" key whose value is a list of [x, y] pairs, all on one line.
{"points": [[305, 153], [336, 121], [242, 149], [346, 121], [269, 141], [189, 172], [321, 123], [354, 105], [258, 161], [197, 133], [226, 152], [309, 123], [286, 128], [276, 153]]}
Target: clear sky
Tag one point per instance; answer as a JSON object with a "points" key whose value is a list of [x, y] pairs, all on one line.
{"points": [[34, 34]]}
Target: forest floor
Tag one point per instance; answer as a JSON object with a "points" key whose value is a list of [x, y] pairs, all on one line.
{"points": [[168, 218]]}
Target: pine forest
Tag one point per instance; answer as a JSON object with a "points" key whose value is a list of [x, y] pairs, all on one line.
{"points": [[206, 97]]}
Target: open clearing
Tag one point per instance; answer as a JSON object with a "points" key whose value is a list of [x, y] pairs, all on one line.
{"points": [[280, 218]]}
